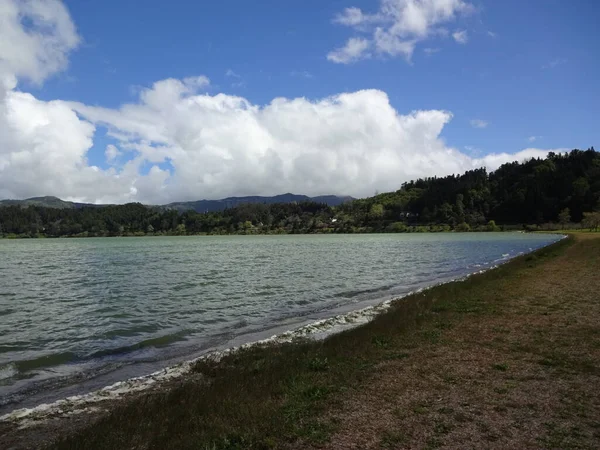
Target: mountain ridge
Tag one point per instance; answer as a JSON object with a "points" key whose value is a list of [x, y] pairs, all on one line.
{"points": [[195, 205]]}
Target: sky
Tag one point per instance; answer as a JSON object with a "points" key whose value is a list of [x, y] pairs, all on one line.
{"points": [[119, 101]]}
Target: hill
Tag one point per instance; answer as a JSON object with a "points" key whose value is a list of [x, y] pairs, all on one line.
{"points": [[204, 206], [559, 188], [47, 202], [201, 206]]}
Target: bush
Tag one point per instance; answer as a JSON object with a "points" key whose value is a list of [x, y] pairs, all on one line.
{"points": [[491, 226], [397, 227], [462, 227]]}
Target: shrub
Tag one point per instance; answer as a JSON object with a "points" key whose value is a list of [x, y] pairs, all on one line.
{"points": [[461, 227]]}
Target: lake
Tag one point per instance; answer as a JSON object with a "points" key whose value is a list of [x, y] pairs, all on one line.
{"points": [[78, 314]]}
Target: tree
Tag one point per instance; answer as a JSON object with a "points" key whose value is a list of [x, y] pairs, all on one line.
{"points": [[564, 217], [581, 186], [397, 227], [445, 213], [491, 226], [460, 208], [591, 220], [376, 211], [461, 227], [247, 226]]}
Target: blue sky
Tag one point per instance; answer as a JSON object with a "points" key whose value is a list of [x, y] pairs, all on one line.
{"points": [[521, 75]]}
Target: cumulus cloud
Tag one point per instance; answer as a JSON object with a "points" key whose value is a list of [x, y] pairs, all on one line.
{"points": [[493, 161], [350, 17], [44, 145], [176, 142], [461, 36], [479, 123], [219, 145], [224, 145], [354, 50], [111, 153], [397, 27], [39, 49], [43, 149]]}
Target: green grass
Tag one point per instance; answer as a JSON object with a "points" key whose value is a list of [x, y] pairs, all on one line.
{"points": [[502, 367]]}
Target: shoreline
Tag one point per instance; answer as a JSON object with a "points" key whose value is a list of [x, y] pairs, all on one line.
{"points": [[418, 229], [91, 402]]}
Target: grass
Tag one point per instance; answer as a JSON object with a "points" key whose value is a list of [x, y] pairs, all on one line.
{"points": [[502, 367], [486, 362]]}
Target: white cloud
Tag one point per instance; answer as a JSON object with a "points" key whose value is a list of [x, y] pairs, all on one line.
{"points": [[221, 145], [43, 149], [492, 34], [555, 63], [430, 50], [493, 161], [172, 88], [479, 123], [217, 145], [240, 83], [390, 44], [461, 36], [39, 49], [350, 17], [111, 153], [354, 50], [396, 27], [473, 151]]}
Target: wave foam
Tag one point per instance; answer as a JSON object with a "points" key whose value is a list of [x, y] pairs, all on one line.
{"points": [[8, 371]]}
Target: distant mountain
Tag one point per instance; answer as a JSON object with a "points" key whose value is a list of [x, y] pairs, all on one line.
{"points": [[198, 206], [48, 202], [232, 202]]}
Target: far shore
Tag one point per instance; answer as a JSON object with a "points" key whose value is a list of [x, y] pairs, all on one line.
{"points": [[416, 230]]}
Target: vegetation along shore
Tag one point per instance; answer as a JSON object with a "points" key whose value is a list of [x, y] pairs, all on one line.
{"points": [[505, 359], [561, 191]]}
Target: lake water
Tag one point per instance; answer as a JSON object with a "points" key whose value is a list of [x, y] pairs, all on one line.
{"points": [[78, 314]]}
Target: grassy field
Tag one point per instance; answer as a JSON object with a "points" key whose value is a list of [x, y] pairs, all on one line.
{"points": [[506, 359]]}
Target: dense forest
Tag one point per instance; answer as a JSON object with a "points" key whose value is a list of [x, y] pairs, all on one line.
{"points": [[563, 189]]}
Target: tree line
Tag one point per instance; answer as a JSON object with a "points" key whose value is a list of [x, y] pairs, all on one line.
{"points": [[562, 189]]}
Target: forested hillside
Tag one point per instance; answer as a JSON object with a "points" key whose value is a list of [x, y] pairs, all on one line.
{"points": [[532, 192], [205, 206], [563, 188]]}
